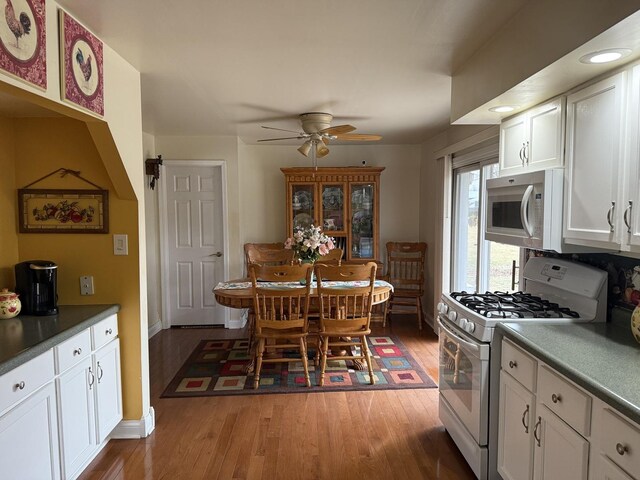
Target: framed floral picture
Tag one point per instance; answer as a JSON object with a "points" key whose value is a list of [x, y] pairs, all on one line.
{"points": [[63, 211], [81, 69], [23, 41]]}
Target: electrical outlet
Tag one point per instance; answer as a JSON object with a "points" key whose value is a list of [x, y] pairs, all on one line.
{"points": [[86, 285]]}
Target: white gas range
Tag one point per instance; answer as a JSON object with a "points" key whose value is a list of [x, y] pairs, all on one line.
{"points": [[555, 291]]}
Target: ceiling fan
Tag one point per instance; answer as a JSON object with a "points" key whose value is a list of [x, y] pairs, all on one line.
{"points": [[317, 130]]}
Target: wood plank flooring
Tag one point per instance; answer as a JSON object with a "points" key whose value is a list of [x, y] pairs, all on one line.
{"points": [[336, 435]]}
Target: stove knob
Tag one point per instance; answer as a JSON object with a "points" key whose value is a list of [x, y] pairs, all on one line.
{"points": [[470, 327], [452, 315], [442, 308], [463, 322]]}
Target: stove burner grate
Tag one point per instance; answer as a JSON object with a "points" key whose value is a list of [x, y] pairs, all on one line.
{"points": [[512, 305]]}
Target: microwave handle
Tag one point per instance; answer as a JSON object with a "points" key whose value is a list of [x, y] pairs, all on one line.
{"points": [[524, 210]]}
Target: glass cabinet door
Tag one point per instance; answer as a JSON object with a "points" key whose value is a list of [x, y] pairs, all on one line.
{"points": [[362, 223], [333, 216], [303, 209]]}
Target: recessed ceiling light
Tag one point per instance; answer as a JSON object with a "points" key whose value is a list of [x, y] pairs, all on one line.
{"points": [[503, 108], [605, 56]]}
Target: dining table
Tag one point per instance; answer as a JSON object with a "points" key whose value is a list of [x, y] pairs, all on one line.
{"points": [[238, 294]]}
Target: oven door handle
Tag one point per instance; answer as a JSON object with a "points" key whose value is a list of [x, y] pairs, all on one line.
{"points": [[524, 210], [470, 346]]}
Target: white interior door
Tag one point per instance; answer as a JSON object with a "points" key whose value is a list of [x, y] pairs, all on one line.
{"points": [[194, 256]]}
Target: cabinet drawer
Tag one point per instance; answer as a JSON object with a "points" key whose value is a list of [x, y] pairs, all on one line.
{"points": [[621, 442], [105, 331], [565, 399], [20, 382], [519, 364], [71, 351]]}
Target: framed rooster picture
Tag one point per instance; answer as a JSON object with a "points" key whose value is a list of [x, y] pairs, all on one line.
{"points": [[82, 75], [23, 41]]}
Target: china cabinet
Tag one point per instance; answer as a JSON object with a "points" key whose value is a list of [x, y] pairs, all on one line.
{"points": [[344, 201]]}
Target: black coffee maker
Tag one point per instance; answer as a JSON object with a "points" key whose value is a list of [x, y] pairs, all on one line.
{"points": [[36, 283]]}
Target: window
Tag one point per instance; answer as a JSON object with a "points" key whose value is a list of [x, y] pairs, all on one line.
{"points": [[477, 264]]}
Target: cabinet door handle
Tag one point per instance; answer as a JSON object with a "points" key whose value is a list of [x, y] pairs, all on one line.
{"points": [[92, 379], [609, 214], [535, 430], [526, 153], [100, 372], [20, 385], [525, 414], [621, 449], [513, 364], [521, 154], [556, 398], [625, 217]]}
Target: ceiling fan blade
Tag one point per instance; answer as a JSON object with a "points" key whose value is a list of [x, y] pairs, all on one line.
{"points": [[281, 129], [338, 129], [362, 137], [284, 138]]}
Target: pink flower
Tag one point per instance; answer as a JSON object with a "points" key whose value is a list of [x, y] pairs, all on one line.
{"points": [[323, 250], [330, 244], [288, 243]]}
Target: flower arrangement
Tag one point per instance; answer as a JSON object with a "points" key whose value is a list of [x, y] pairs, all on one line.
{"points": [[309, 244]]}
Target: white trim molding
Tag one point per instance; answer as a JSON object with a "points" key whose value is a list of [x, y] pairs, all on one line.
{"points": [[155, 328], [136, 428]]}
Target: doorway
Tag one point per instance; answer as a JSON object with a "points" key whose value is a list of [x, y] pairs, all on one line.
{"points": [[192, 242]]}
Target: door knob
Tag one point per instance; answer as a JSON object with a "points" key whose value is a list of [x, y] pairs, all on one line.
{"points": [[217, 254]]}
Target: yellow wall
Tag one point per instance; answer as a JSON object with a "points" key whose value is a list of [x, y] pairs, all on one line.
{"points": [[64, 142], [8, 236]]}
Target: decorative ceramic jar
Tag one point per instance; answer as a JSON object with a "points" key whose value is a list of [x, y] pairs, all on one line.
{"points": [[635, 324], [9, 304]]}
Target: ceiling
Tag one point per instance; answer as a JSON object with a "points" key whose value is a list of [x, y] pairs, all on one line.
{"points": [[214, 67]]}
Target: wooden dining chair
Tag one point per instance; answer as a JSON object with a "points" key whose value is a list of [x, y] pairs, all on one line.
{"points": [[345, 313], [267, 254], [405, 271], [334, 257], [280, 313]]}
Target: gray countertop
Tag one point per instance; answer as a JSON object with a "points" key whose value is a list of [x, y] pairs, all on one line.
{"points": [[602, 358], [25, 337]]}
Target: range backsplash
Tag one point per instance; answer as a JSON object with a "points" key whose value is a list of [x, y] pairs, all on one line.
{"points": [[623, 276]]}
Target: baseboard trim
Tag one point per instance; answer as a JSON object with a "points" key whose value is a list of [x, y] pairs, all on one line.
{"points": [[155, 328], [136, 428]]}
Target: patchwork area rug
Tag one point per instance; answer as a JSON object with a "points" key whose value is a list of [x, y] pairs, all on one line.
{"points": [[216, 368]]}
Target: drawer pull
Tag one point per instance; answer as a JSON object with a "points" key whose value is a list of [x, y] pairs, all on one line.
{"points": [[513, 364], [535, 430], [108, 331], [77, 351], [621, 449], [525, 414], [20, 386], [556, 398]]}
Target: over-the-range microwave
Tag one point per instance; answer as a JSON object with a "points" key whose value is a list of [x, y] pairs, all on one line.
{"points": [[526, 209]]}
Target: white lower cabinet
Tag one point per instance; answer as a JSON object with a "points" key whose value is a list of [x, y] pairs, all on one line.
{"points": [[515, 438], [560, 451], [29, 438], [77, 416], [58, 409], [107, 389], [534, 442]]}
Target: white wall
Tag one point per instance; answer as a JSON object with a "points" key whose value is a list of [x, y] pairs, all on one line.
{"points": [[152, 239]]}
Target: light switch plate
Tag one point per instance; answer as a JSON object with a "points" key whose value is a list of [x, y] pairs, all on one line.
{"points": [[86, 285], [121, 244]]}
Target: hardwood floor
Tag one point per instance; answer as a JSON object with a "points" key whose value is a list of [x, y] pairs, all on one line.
{"points": [[370, 435]]}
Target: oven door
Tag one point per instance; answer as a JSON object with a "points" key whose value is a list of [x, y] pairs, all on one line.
{"points": [[463, 378]]}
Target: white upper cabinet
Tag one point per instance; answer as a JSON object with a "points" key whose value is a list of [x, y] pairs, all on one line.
{"points": [[533, 140], [595, 162], [631, 197]]}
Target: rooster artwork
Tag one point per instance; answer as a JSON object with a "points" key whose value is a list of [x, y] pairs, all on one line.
{"points": [[85, 65], [20, 25]]}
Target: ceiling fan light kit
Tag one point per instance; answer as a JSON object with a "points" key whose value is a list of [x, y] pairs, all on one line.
{"points": [[317, 130]]}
